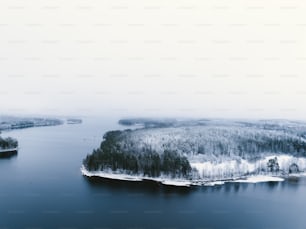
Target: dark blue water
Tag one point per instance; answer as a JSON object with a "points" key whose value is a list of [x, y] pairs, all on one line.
{"points": [[42, 187]]}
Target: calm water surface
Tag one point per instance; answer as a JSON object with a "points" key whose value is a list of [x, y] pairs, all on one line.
{"points": [[42, 187]]}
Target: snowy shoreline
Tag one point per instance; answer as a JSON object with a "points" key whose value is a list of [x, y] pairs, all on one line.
{"points": [[187, 183], [127, 177]]}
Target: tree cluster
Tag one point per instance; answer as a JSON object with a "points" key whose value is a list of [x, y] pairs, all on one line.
{"points": [[212, 142], [7, 143], [110, 156]]}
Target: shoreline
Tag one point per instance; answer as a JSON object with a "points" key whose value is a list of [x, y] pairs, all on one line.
{"points": [[188, 183], [10, 123], [8, 150], [127, 177]]}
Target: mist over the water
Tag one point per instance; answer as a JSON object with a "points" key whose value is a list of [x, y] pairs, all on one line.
{"points": [[141, 58]]}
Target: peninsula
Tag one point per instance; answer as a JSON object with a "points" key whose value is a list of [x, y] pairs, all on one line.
{"points": [[12, 122], [200, 151]]}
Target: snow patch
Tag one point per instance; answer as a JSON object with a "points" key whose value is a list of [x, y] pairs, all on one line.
{"points": [[177, 183], [114, 176], [126, 177], [298, 174], [258, 179], [229, 169], [214, 183]]}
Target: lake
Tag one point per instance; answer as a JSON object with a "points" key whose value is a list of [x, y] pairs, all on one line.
{"points": [[42, 187]]}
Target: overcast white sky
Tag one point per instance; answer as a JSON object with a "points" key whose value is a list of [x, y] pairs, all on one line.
{"points": [[187, 58]]}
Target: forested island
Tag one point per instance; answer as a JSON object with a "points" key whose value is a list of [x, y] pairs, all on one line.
{"points": [[148, 162], [8, 147], [12, 122], [202, 150], [74, 121]]}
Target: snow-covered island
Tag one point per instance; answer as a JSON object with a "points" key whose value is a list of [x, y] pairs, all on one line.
{"points": [[13, 122], [201, 152], [8, 147], [74, 121]]}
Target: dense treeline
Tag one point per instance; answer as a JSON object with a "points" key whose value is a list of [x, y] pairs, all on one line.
{"points": [[7, 143], [290, 145], [110, 156]]}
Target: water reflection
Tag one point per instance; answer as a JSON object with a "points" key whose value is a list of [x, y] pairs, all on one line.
{"points": [[271, 185], [147, 186], [8, 154], [155, 188]]}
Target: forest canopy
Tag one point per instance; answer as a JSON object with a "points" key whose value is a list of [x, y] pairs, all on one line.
{"points": [[168, 148]]}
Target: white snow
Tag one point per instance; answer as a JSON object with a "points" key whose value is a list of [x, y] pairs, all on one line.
{"points": [[114, 176], [298, 174], [179, 182], [258, 179], [126, 177], [176, 182], [214, 183], [217, 173], [210, 141], [223, 170], [229, 169]]}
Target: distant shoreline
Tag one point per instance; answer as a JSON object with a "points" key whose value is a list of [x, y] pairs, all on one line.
{"points": [[8, 123]]}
